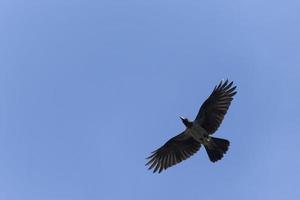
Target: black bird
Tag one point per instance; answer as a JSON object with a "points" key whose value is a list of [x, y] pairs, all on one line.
{"points": [[197, 132]]}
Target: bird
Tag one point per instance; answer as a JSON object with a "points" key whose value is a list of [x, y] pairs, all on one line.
{"points": [[197, 132]]}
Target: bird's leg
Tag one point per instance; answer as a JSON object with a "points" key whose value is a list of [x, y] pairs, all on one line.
{"points": [[206, 137]]}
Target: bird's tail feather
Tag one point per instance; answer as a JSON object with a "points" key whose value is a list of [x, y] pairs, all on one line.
{"points": [[216, 148]]}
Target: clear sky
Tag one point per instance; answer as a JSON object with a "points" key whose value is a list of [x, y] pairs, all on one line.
{"points": [[90, 88]]}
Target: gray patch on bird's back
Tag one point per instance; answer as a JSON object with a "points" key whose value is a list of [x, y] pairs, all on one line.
{"points": [[197, 132]]}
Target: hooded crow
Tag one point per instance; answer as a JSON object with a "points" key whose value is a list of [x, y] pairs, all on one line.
{"points": [[197, 132]]}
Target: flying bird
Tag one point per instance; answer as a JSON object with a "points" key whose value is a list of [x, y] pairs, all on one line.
{"points": [[197, 132]]}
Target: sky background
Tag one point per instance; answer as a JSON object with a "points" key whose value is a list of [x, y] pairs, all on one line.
{"points": [[90, 88]]}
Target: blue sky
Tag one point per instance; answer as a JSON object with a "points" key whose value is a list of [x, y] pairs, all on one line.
{"points": [[89, 89]]}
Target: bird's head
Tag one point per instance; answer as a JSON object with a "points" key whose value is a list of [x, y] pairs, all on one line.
{"points": [[186, 122]]}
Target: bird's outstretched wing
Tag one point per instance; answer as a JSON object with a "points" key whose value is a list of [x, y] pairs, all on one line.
{"points": [[172, 152], [213, 110]]}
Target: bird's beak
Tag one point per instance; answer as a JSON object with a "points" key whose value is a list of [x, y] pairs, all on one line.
{"points": [[182, 118]]}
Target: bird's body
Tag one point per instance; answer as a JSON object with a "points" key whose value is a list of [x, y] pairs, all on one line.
{"points": [[198, 132]]}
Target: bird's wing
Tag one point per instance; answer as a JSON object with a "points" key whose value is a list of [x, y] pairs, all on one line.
{"points": [[213, 110], [172, 152]]}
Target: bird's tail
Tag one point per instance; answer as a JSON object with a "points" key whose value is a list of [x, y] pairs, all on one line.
{"points": [[216, 148]]}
